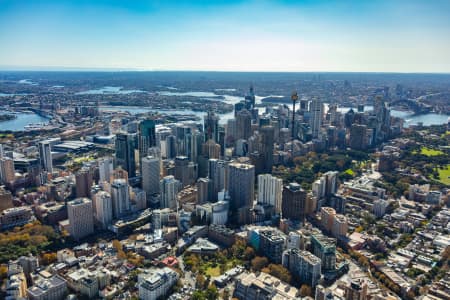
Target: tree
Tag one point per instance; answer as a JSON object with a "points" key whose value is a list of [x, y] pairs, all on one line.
{"points": [[200, 281], [259, 262], [305, 290], [48, 258]]}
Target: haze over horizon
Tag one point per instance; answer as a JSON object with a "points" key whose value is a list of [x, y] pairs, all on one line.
{"points": [[294, 36]]}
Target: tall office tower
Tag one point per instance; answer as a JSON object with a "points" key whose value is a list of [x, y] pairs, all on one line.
{"points": [[171, 146], [303, 265], [182, 170], [81, 218], [147, 136], [103, 209], [169, 188], [222, 141], [45, 156], [196, 146], [358, 139], [267, 136], [84, 181], [331, 182], [324, 248], [294, 202], [217, 173], [211, 149], [333, 114], [250, 97], [150, 175], [120, 195], [315, 120], [231, 132], [270, 190], [2, 151], [105, 168], [383, 116], [241, 185], [356, 291], [184, 140], [203, 190], [211, 123], [6, 170], [125, 153], [243, 125]]}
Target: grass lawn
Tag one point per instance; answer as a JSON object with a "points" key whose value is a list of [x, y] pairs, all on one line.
{"points": [[430, 152], [213, 272], [445, 175]]}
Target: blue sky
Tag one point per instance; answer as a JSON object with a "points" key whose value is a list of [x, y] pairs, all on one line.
{"points": [[375, 35]]}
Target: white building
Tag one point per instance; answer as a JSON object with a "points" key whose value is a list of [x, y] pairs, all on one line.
{"points": [[103, 209], [156, 283], [169, 188], [315, 121], [340, 225], [105, 168], [150, 166], [120, 195], [270, 190], [81, 218]]}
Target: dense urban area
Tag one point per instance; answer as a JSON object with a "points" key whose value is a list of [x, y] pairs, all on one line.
{"points": [[211, 185]]}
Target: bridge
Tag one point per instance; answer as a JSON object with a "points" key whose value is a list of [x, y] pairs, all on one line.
{"points": [[413, 104]]}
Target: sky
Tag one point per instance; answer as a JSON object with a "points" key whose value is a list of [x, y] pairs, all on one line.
{"points": [[233, 35]]}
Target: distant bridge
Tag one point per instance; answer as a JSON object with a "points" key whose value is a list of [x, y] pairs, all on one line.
{"points": [[413, 104]]}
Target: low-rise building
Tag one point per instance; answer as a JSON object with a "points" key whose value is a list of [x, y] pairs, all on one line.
{"points": [[156, 283]]}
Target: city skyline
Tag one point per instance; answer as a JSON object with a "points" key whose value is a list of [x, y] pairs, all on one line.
{"points": [[272, 36]]}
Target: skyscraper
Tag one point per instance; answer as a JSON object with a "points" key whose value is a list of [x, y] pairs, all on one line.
{"points": [[294, 202], [45, 156], [169, 188], [125, 153], [103, 209], [150, 175], [6, 170], [120, 195], [267, 139], [243, 124], [241, 185], [270, 190], [217, 173], [185, 171], [84, 181], [171, 146], [315, 121], [105, 168], [211, 126], [358, 137], [81, 219], [147, 136], [211, 149]]}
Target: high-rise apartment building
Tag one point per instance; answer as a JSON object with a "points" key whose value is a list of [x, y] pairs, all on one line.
{"points": [[151, 169], [243, 124], [217, 173], [84, 180], [6, 170], [241, 185], [267, 140], [270, 191], [81, 219], [105, 169], [169, 188], [103, 209], [120, 195], [303, 265], [315, 121], [294, 202]]}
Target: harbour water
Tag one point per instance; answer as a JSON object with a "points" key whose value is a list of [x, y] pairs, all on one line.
{"points": [[21, 121]]}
